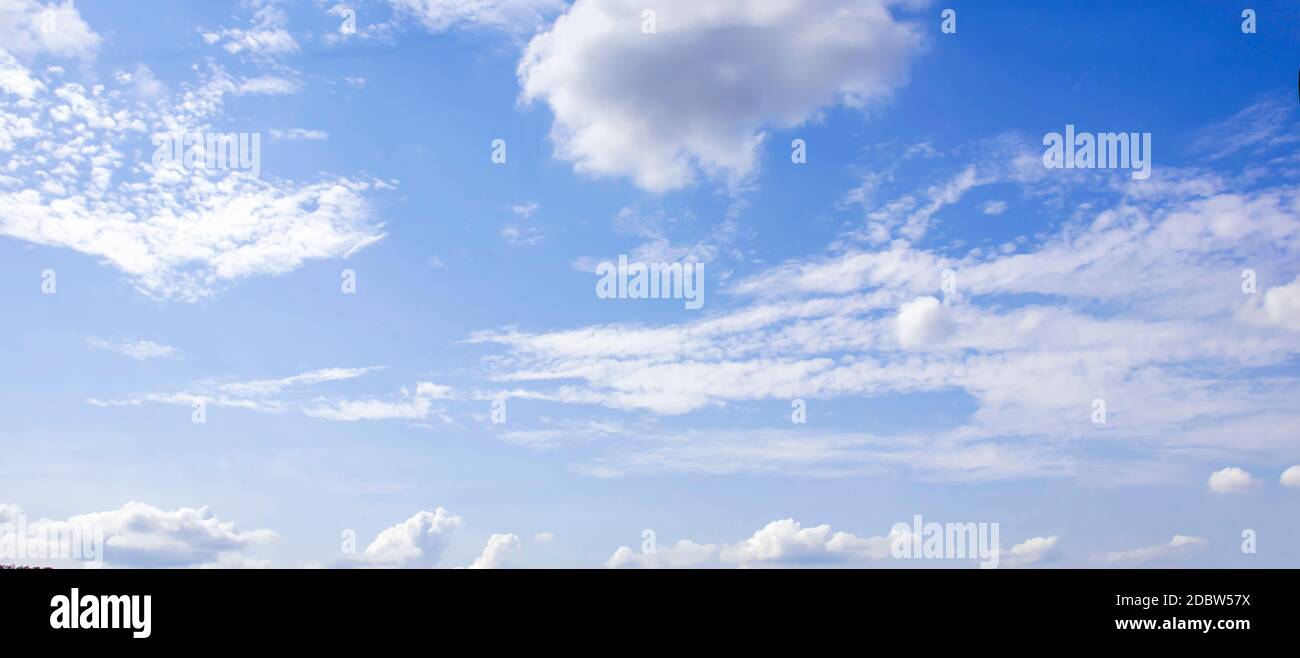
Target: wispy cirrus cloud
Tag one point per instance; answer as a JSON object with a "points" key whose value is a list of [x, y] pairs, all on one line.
{"points": [[1180, 547], [410, 405], [140, 349], [1262, 126], [287, 393], [1134, 299], [513, 16], [298, 134]]}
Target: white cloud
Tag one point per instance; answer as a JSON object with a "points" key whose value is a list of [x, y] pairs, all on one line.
{"points": [[140, 535], [1125, 300], [524, 210], [995, 207], [177, 233], [263, 395], [237, 561], [140, 349], [1291, 477], [923, 322], [498, 549], [270, 85], [29, 27], [521, 236], [1231, 480], [359, 25], [654, 227], [912, 221], [1181, 546], [17, 80], [296, 134], [652, 450], [410, 406], [515, 16], [416, 542], [420, 541], [785, 541], [266, 37], [264, 387], [683, 554], [144, 86], [1282, 305], [699, 94], [1263, 125], [1031, 551]]}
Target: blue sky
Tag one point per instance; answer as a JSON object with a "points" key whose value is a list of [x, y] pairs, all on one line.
{"points": [[371, 412]]}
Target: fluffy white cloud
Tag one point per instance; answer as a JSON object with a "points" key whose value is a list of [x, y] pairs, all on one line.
{"points": [[17, 81], [416, 542], [516, 16], [1230, 480], [420, 541], [29, 27], [1181, 546], [1031, 551], [498, 549], [785, 541], [698, 94], [140, 349], [923, 322], [1291, 477], [683, 554], [1282, 305], [140, 535]]}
